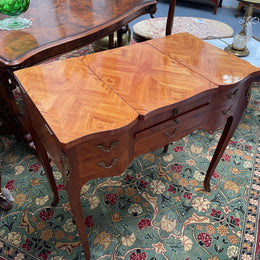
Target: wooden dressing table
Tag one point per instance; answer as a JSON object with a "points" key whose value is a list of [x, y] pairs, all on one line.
{"points": [[95, 113]]}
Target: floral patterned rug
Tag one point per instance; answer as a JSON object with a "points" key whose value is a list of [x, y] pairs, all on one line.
{"points": [[156, 209]]}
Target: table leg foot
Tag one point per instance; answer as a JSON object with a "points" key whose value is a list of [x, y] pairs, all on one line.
{"points": [[165, 148], [207, 187]]}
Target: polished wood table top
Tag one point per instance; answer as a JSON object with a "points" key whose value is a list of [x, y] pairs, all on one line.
{"points": [[58, 26], [95, 113]]}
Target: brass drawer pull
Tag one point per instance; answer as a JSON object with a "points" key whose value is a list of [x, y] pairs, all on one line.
{"points": [[227, 111], [233, 94], [175, 111], [104, 164], [105, 148], [168, 134]]}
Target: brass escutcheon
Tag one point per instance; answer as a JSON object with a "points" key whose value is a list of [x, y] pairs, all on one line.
{"points": [[227, 111], [233, 94], [105, 148], [175, 111]]}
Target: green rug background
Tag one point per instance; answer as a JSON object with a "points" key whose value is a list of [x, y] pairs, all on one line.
{"points": [[156, 209]]}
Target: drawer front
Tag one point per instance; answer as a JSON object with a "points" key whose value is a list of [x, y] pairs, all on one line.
{"points": [[99, 157], [105, 155], [225, 101], [171, 130], [224, 104]]}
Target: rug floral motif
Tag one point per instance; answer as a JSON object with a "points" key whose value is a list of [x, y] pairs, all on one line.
{"points": [[156, 209]]}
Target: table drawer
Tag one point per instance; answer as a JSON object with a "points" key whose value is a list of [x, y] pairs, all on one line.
{"points": [[99, 156], [161, 134], [224, 104], [104, 158]]}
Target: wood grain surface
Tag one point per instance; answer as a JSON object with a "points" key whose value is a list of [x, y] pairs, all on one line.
{"points": [[108, 90], [73, 101], [59, 26]]}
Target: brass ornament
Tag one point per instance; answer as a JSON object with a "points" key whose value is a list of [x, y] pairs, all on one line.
{"points": [[238, 46]]}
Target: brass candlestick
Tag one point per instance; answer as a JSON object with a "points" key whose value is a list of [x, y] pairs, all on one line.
{"points": [[238, 46]]}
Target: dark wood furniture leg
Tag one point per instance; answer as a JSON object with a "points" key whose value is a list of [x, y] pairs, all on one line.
{"points": [[111, 41], [41, 152], [120, 37], [73, 188], [9, 119], [165, 148], [216, 7], [222, 144], [43, 156], [239, 8], [9, 112], [229, 129]]}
